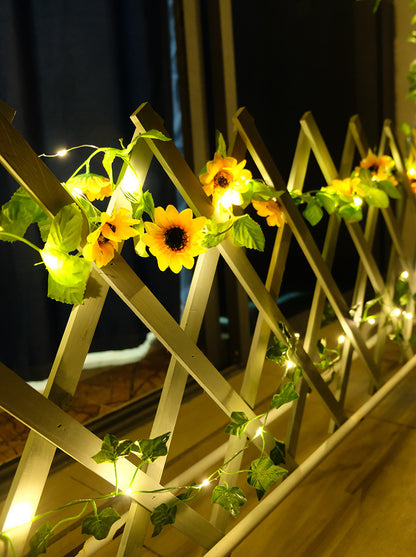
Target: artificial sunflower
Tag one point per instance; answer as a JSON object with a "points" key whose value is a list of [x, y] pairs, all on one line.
{"points": [[380, 167], [174, 238], [347, 186], [93, 186], [271, 210], [102, 243], [225, 180]]}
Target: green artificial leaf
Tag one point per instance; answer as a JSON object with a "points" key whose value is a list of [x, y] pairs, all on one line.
{"points": [[39, 541], [65, 230], [390, 189], [327, 200], [19, 213], [366, 178], [262, 192], [263, 474], [112, 449], [230, 499], [278, 453], [350, 212], [154, 134], [405, 128], [161, 516], [247, 233], [215, 232], [68, 270], [277, 352], [73, 294], [108, 159], [293, 374], [376, 197], [139, 247], [238, 424], [376, 5], [151, 449], [221, 147], [44, 224], [99, 525], [313, 212], [287, 394], [401, 292]]}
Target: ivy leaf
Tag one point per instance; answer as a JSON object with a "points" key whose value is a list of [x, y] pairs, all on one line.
{"points": [[391, 190], [247, 233], [19, 213], [263, 474], [161, 516], [376, 197], [154, 134], [262, 192], [287, 394], [313, 212], [231, 499], [65, 230], [221, 147], [108, 159], [238, 424], [215, 233], [99, 525], [39, 541], [277, 352], [151, 449], [278, 453], [350, 212], [327, 201], [73, 294], [65, 269], [112, 449]]}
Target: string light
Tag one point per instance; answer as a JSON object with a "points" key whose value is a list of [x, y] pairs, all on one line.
{"points": [[19, 514], [358, 201], [204, 484], [411, 172], [259, 432], [341, 339], [289, 364], [407, 315], [396, 312], [372, 321], [61, 152], [404, 275], [128, 491]]}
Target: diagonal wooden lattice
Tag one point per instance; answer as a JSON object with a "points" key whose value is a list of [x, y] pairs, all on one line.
{"points": [[53, 427]]}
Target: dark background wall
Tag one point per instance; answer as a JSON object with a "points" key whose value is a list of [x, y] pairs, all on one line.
{"points": [[76, 70]]}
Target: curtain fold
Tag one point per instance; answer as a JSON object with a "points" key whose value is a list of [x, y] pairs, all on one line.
{"points": [[75, 71]]}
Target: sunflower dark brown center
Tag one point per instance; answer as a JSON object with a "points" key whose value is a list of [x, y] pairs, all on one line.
{"points": [[176, 238], [102, 240], [222, 179]]}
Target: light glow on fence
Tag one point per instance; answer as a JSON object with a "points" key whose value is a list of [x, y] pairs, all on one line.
{"points": [[19, 514]]}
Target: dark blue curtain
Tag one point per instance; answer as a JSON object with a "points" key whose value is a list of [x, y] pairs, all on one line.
{"points": [[74, 71]]}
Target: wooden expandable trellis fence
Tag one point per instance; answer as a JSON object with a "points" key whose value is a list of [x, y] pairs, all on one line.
{"points": [[51, 427]]}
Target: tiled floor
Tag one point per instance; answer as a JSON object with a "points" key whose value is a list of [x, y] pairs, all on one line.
{"points": [[99, 392]]}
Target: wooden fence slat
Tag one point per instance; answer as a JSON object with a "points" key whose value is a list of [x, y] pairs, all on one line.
{"points": [[270, 174], [56, 426], [191, 190]]}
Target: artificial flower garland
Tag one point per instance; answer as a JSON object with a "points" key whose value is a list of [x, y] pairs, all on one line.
{"points": [[175, 238]]}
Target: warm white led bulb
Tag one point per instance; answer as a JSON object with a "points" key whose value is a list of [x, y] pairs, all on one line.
{"points": [[404, 275], [19, 514], [259, 432], [358, 201], [372, 321], [61, 152], [408, 315], [341, 339], [289, 364], [396, 312]]}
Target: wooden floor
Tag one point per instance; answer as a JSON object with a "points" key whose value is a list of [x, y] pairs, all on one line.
{"points": [[361, 501]]}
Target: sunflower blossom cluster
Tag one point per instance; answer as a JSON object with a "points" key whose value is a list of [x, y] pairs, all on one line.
{"points": [[373, 182]]}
